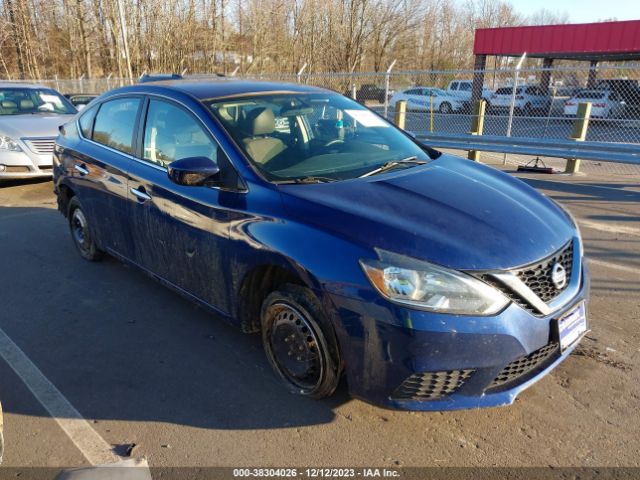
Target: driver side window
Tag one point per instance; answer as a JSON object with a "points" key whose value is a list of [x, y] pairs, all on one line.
{"points": [[170, 133]]}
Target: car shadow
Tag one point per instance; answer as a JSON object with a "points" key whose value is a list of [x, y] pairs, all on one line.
{"points": [[583, 191], [120, 346]]}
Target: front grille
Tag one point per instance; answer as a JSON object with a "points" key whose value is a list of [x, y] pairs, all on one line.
{"points": [[41, 146], [538, 276], [524, 367], [431, 385]]}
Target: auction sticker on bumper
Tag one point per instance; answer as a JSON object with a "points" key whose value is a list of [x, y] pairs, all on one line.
{"points": [[572, 326]]}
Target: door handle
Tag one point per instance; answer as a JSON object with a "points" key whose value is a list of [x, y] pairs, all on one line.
{"points": [[81, 169], [141, 195]]}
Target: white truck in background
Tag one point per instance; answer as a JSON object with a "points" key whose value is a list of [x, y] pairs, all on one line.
{"points": [[462, 90]]}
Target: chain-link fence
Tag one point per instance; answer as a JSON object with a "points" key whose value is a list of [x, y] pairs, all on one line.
{"points": [[543, 104]]}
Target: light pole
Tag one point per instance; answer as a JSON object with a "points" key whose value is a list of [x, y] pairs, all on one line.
{"points": [[123, 31]]}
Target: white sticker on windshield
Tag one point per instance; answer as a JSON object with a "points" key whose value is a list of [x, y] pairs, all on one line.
{"points": [[366, 118]]}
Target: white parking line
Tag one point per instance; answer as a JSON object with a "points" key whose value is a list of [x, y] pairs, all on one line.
{"points": [[94, 448], [615, 266]]}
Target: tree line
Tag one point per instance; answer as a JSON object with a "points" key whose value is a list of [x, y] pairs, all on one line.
{"points": [[96, 38]]}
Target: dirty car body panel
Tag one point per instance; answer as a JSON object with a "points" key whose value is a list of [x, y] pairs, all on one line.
{"points": [[456, 215]]}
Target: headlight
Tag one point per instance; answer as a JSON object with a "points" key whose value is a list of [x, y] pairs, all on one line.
{"points": [[431, 287], [7, 143]]}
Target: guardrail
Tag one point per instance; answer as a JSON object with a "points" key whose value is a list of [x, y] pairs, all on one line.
{"points": [[557, 148]]}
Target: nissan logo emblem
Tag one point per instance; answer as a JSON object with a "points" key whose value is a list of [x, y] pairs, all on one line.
{"points": [[558, 276]]}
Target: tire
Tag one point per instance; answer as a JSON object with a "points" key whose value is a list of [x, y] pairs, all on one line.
{"points": [[445, 107], [81, 232], [300, 342]]}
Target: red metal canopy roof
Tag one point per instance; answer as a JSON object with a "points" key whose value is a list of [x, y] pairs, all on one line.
{"points": [[585, 41]]}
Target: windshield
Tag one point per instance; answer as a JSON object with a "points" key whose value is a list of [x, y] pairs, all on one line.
{"points": [[24, 101], [323, 136]]}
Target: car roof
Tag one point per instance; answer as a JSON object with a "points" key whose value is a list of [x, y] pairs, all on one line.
{"points": [[214, 89], [22, 85]]}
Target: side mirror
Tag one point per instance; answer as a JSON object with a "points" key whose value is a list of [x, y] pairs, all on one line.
{"points": [[192, 171]]}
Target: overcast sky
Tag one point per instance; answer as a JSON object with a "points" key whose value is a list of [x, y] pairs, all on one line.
{"points": [[584, 11]]}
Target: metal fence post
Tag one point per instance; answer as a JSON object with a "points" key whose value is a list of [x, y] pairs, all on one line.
{"points": [[299, 74], [579, 133], [386, 88], [477, 126], [354, 93], [401, 114]]}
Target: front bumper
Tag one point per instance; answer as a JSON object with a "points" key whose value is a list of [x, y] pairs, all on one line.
{"points": [[384, 344], [25, 164]]}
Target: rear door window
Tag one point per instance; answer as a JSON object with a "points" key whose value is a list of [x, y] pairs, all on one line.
{"points": [[115, 124]]}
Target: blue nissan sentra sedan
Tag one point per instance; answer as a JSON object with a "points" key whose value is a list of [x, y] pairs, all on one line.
{"points": [[429, 281]]}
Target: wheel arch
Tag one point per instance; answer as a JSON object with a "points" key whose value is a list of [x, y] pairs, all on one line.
{"points": [[64, 194], [257, 283]]}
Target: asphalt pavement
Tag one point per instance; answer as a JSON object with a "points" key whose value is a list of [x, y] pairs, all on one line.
{"points": [[157, 378]]}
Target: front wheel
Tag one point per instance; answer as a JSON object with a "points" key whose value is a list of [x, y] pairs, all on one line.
{"points": [[81, 232], [300, 342]]}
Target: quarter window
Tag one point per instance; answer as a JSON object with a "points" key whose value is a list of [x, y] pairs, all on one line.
{"points": [[86, 121], [170, 134], [115, 124]]}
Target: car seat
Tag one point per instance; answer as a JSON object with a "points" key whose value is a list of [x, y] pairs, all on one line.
{"points": [[259, 124]]}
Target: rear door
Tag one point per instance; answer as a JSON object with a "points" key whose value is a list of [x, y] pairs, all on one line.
{"points": [[100, 165], [180, 232]]}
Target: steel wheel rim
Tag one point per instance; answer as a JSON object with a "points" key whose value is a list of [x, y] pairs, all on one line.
{"points": [[80, 230], [295, 347]]}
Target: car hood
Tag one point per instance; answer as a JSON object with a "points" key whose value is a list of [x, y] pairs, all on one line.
{"points": [[452, 212], [38, 125]]}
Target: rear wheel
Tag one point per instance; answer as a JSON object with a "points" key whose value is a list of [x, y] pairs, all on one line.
{"points": [[81, 232], [299, 342], [445, 107]]}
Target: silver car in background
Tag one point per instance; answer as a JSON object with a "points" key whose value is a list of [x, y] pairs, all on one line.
{"points": [[29, 119]]}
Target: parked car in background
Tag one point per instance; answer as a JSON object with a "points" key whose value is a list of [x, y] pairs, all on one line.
{"points": [[463, 89], [431, 282], [29, 119], [370, 92], [566, 92], [529, 100], [427, 98], [627, 91], [80, 100], [159, 77], [604, 104]]}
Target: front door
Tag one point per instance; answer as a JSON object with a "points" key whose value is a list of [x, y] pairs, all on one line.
{"points": [[180, 232]]}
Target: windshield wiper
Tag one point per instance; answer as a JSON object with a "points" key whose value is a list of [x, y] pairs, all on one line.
{"points": [[312, 179], [308, 179], [394, 163]]}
